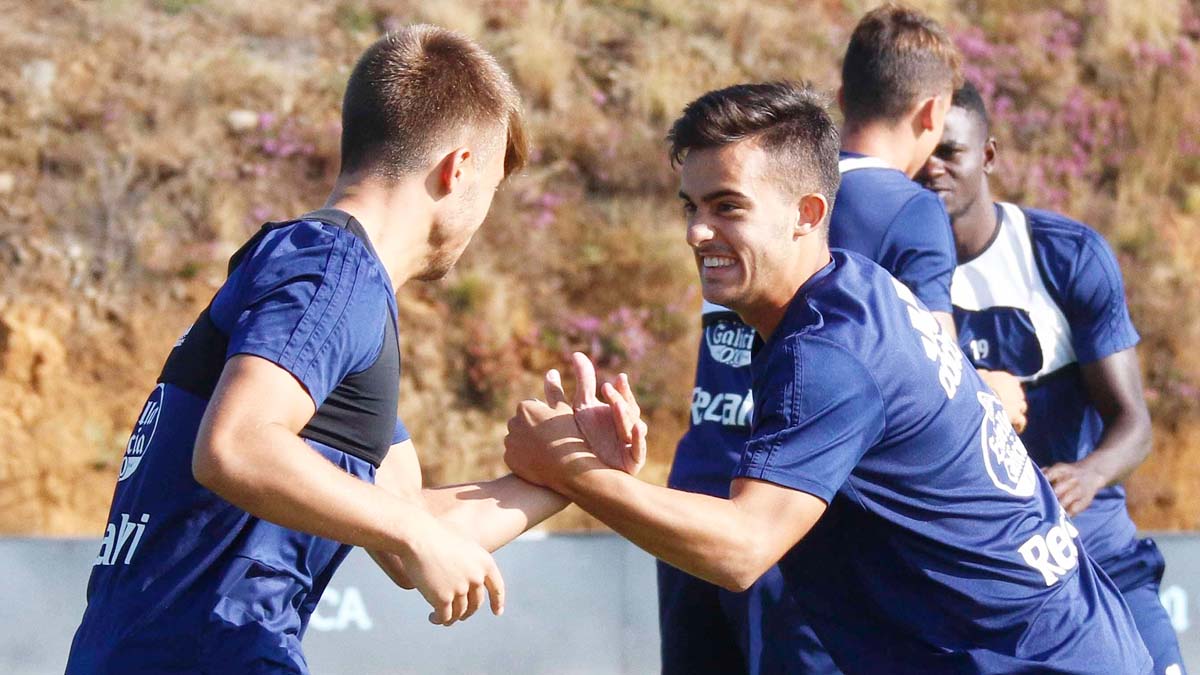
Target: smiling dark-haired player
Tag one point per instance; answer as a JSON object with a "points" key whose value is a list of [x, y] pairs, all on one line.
{"points": [[1040, 296], [271, 443], [881, 474], [899, 70]]}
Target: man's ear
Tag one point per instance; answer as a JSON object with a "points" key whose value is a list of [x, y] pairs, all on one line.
{"points": [[452, 169], [923, 119], [813, 208], [841, 99], [989, 154]]}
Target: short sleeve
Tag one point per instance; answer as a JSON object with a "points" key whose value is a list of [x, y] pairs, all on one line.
{"points": [[1095, 304], [305, 300], [400, 434], [918, 249], [817, 413]]}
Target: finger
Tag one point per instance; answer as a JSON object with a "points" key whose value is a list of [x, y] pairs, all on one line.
{"points": [[627, 392], [460, 607], [495, 585], [528, 410], [638, 447], [1070, 503], [585, 380], [442, 613], [475, 599], [622, 419], [553, 388], [1052, 473], [1063, 488]]}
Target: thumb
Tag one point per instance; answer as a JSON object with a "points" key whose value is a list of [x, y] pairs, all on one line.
{"points": [[552, 386]]}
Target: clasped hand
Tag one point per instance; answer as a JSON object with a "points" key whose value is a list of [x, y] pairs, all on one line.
{"points": [[546, 439]]}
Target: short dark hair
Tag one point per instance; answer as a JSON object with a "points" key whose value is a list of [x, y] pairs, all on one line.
{"points": [[416, 87], [788, 119], [896, 57], [968, 98]]}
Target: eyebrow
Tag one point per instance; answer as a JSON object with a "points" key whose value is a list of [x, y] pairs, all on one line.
{"points": [[714, 195]]}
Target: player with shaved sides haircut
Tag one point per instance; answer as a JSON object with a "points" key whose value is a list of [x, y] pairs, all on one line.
{"points": [[703, 627], [898, 73], [898, 58], [880, 474], [412, 89], [271, 445]]}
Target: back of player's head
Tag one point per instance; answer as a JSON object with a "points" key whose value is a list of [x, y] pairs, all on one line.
{"points": [[897, 56], [789, 120], [421, 87], [968, 98]]}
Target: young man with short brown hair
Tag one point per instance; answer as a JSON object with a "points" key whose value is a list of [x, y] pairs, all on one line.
{"points": [[271, 444]]}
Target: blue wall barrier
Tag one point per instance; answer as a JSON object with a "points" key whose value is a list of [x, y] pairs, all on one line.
{"points": [[577, 604]]}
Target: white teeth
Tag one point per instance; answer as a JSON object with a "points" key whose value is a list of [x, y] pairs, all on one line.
{"points": [[709, 261]]}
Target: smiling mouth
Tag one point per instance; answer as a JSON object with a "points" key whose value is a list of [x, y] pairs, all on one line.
{"points": [[716, 262]]}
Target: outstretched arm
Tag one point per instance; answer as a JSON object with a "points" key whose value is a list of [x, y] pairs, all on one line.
{"points": [[728, 542], [1114, 386], [491, 513], [248, 452]]}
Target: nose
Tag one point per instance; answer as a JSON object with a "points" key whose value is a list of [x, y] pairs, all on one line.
{"points": [[698, 232], [934, 168]]}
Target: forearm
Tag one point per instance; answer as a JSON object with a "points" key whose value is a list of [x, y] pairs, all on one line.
{"points": [[705, 536], [495, 512], [1123, 446], [274, 475]]}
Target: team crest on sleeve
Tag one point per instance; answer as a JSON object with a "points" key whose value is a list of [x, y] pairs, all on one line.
{"points": [[729, 343], [1004, 455], [143, 433]]}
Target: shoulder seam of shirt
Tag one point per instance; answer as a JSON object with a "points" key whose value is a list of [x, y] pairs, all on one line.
{"points": [[1090, 244], [365, 254], [251, 258], [865, 369], [1088, 241], [337, 254], [903, 206], [1073, 231], [352, 262]]}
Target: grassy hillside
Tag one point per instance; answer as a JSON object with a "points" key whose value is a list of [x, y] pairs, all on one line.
{"points": [[142, 140]]}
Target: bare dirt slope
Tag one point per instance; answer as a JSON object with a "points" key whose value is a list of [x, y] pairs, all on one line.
{"points": [[142, 140]]}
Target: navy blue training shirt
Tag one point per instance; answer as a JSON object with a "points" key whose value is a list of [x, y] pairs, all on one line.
{"points": [[878, 213], [184, 581], [943, 548], [1043, 298], [722, 404], [882, 214]]}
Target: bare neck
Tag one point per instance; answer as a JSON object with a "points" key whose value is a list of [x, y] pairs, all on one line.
{"points": [[765, 315], [894, 145], [396, 216], [975, 228]]}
